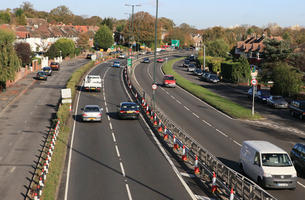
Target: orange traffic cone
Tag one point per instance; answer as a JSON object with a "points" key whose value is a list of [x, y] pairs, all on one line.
{"points": [[147, 110], [176, 146], [184, 157], [165, 137], [152, 117], [232, 194], [70, 108], [196, 168], [160, 127], [214, 186]]}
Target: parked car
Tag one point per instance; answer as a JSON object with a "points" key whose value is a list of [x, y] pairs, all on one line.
{"points": [[297, 155], [263, 95], [41, 75], [149, 53], [92, 113], [267, 164], [89, 56], [205, 76], [297, 109], [128, 110], [213, 78], [47, 70], [146, 60], [169, 81], [191, 68], [198, 72], [116, 64], [160, 60], [277, 102], [55, 66]]}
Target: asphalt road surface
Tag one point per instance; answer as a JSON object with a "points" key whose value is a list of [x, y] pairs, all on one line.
{"points": [[117, 159], [220, 134], [23, 126]]}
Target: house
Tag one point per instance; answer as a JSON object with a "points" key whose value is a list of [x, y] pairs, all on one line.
{"points": [[253, 48]]}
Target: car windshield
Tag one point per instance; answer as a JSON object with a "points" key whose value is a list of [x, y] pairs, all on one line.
{"points": [[277, 98], [186, 61], [213, 76], [116, 62], [53, 63], [276, 160], [92, 109], [46, 68], [264, 92], [129, 107], [169, 78]]}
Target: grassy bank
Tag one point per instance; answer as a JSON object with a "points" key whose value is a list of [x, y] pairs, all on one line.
{"points": [[223, 104], [58, 158]]}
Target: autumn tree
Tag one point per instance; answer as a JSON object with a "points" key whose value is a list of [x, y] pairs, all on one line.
{"points": [[93, 21], [217, 48], [24, 52], [20, 17], [63, 46], [5, 17], [61, 14], [9, 62], [83, 41], [28, 9], [103, 38]]}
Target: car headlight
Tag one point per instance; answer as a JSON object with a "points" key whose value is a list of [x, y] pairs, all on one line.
{"points": [[294, 175]]}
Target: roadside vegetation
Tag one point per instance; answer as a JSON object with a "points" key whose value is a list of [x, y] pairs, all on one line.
{"points": [[232, 109], [60, 150]]}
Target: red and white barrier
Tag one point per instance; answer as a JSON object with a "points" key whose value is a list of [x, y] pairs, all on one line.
{"points": [[196, 168], [176, 146], [184, 157], [214, 185], [232, 194]]}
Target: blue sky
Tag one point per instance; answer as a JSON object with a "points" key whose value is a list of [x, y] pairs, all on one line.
{"points": [[198, 13]]}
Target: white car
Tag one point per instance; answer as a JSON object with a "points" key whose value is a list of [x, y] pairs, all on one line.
{"points": [[122, 56], [92, 113]]}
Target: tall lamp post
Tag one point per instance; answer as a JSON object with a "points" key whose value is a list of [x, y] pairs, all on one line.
{"points": [[155, 55], [132, 11]]}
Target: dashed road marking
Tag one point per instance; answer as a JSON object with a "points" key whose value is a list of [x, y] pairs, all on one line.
{"points": [[195, 115], [300, 184], [128, 192], [12, 169], [236, 143], [173, 97], [106, 109], [113, 137], [202, 197], [110, 125], [122, 169], [108, 117], [178, 101], [219, 131], [206, 122], [186, 108], [117, 151]]}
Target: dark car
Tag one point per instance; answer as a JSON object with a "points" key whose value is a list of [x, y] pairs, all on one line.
{"points": [[198, 72], [263, 95], [146, 60], [55, 66], [186, 63], [89, 56], [47, 70], [297, 155], [297, 108], [128, 110], [41, 75]]}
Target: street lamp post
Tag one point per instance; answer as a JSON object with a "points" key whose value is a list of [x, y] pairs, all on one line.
{"points": [[132, 11], [155, 56]]}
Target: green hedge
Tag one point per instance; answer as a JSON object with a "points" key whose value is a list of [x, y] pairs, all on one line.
{"points": [[231, 108]]}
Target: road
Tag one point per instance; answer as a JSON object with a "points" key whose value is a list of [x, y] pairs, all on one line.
{"points": [[117, 159], [24, 124], [220, 134]]}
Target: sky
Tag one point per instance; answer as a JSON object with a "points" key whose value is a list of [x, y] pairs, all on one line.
{"points": [[198, 13]]}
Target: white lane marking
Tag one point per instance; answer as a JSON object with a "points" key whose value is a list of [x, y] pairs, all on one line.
{"points": [[105, 104], [187, 175], [110, 125], [122, 169], [106, 109], [147, 69], [113, 137], [300, 184], [236, 143], [117, 151], [187, 188], [12, 169], [186, 108], [178, 101], [195, 115], [221, 132], [206, 122], [202, 197], [128, 192], [72, 140], [108, 117], [173, 97]]}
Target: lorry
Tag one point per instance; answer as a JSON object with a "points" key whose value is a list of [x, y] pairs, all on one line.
{"points": [[93, 83]]}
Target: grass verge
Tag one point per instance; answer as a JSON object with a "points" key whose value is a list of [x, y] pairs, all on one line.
{"points": [[58, 157], [225, 105]]}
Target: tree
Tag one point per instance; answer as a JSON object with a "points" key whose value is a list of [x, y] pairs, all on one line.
{"points": [[5, 17], [9, 62], [63, 46], [243, 70], [276, 50], [217, 48], [27, 7], [61, 14], [24, 52], [103, 38], [108, 22], [287, 81], [20, 17], [83, 41]]}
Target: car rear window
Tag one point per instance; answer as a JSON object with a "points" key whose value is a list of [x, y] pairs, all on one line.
{"points": [[129, 107], [169, 78], [92, 109]]}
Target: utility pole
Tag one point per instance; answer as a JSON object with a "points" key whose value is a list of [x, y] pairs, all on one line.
{"points": [[132, 11], [155, 56], [203, 57]]}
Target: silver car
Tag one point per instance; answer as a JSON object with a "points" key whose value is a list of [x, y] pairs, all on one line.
{"points": [[277, 102], [92, 113]]}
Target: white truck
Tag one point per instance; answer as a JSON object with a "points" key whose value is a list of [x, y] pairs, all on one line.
{"points": [[93, 83]]}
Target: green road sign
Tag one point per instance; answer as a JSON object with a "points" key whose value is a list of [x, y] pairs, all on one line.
{"points": [[112, 47], [176, 43], [129, 62]]}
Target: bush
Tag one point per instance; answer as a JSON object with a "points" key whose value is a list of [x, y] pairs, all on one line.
{"points": [[63, 46]]}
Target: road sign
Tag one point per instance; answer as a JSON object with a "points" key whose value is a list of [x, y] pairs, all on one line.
{"points": [[176, 43], [129, 62], [254, 82], [154, 86]]}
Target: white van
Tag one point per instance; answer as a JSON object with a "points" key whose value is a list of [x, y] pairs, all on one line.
{"points": [[267, 164]]}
